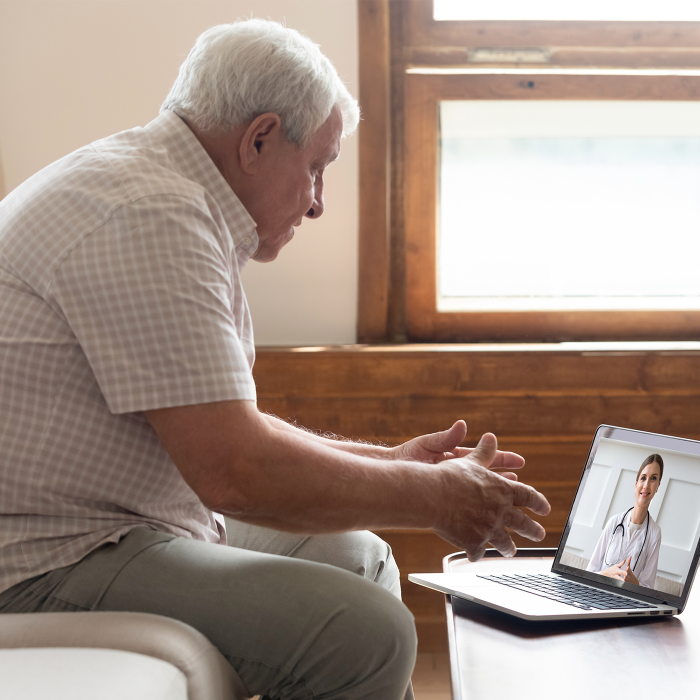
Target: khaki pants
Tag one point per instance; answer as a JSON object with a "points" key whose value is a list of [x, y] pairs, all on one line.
{"points": [[291, 627]]}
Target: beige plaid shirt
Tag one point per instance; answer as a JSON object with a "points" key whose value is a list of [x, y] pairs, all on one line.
{"points": [[119, 292]]}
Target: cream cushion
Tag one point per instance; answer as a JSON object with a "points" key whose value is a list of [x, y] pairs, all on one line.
{"points": [[208, 675], [88, 674]]}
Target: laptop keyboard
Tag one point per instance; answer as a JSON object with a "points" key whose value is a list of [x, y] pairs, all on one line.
{"points": [[568, 592]]}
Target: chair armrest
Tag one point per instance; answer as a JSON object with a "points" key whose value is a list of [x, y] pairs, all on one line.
{"points": [[209, 675]]}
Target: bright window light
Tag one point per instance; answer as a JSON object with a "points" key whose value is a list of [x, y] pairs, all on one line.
{"points": [[552, 205], [590, 10]]}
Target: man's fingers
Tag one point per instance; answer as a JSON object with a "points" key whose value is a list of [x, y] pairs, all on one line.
{"points": [[504, 544], [446, 441], [476, 552], [502, 460], [508, 475], [527, 497], [520, 523], [461, 451], [507, 460], [485, 452]]}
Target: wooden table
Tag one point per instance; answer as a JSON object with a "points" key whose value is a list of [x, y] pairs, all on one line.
{"points": [[494, 655]]}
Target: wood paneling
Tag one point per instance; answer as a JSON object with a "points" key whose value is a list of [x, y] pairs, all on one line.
{"points": [[544, 404]]}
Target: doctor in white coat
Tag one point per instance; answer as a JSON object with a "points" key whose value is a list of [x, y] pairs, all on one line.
{"points": [[628, 548]]}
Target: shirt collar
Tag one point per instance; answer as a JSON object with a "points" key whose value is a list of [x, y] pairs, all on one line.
{"points": [[194, 163]]}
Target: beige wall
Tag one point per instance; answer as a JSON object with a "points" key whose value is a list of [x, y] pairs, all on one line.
{"points": [[72, 71]]}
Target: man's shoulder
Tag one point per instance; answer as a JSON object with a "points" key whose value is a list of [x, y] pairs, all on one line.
{"points": [[106, 174], [110, 183], [144, 167]]}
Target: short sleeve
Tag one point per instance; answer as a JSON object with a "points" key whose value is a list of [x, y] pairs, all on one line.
{"points": [[154, 299]]}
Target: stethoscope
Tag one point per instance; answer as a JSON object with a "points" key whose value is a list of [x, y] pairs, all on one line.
{"points": [[622, 538]]}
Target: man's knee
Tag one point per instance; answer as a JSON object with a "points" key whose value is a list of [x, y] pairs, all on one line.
{"points": [[393, 638], [368, 647], [360, 552]]}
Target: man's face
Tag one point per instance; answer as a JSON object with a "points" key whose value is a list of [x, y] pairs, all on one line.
{"points": [[289, 185]]}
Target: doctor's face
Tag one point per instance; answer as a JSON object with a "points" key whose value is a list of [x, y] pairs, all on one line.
{"points": [[647, 484]]}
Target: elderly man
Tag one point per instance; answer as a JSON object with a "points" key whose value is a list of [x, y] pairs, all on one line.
{"points": [[127, 404]]}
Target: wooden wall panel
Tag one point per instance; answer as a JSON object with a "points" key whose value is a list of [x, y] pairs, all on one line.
{"points": [[542, 403]]}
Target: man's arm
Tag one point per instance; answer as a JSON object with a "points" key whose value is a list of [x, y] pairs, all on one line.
{"points": [[358, 448], [431, 448], [240, 464]]}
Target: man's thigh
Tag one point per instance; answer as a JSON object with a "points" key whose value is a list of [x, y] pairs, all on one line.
{"points": [[290, 628], [360, 552]]}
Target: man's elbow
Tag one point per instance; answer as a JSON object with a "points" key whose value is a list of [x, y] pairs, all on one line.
{"points": [[223, 489]]}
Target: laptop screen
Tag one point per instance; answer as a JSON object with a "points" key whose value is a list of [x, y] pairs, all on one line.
{"points": [[635, 521]]}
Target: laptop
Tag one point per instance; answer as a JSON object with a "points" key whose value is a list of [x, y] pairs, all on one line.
{"points": [[629, 475]]}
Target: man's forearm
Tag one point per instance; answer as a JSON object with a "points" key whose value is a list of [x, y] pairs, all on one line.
{"points": [[303, 482], [364, 449]]}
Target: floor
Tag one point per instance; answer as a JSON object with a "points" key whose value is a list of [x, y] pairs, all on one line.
{"points": [[431, 677]]}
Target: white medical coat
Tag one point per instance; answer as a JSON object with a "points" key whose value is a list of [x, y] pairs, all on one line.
{"points": [[632, 543]]}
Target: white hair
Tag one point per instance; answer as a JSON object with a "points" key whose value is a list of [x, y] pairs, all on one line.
{"points": [[235, 72]]}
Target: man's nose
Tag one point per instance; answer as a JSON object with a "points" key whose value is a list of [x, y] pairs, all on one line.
{"points": [[318, 206]]}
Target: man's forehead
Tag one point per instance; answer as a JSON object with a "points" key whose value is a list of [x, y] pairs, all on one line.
{"points": [[326, 141]]}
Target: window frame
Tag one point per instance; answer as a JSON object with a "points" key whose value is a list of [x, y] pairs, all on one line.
{"points": [[397, 300], [425, 323]]}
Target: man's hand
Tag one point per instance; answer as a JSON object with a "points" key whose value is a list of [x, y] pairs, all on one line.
{"points": [[480, 504], [621, 571], [437, 447]]}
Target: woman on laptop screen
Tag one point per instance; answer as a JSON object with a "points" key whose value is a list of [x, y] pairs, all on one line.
{"points": [[628, 548]]}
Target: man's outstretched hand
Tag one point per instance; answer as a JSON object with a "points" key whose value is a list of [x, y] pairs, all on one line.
{"points": [[437, 447], [479, 504]]}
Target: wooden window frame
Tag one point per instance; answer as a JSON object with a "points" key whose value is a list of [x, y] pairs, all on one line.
{"points": [[398, 156], [425, 323]]}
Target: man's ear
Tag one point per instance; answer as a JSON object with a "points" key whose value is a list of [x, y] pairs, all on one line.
{"points": [[262, 133]]}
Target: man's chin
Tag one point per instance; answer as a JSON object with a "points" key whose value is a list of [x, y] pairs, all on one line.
{"points": [[269, 250]]}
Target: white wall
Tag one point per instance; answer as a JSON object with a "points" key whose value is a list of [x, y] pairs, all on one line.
{"points": [[72, 71]]}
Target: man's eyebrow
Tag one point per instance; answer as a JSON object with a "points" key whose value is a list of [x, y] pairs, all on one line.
{"points": [[324, 162]]}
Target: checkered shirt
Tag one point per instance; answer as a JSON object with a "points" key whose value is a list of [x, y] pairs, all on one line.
{"points": [[120, 292]]}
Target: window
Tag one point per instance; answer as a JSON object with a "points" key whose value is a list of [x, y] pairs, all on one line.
{"points": [[587, 204], [541, 175]]}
